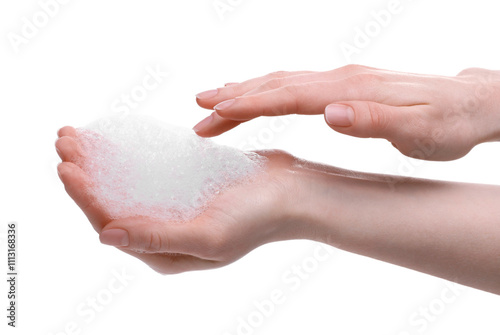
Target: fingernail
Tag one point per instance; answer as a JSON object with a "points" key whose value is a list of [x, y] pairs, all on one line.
{"points": [[224, 104], [230, 84], [339, 115], [203, 123], [207, 94], [59, 173], [115, 237]]}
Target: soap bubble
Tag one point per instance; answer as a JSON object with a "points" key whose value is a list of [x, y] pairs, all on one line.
{"points": [[140, 166]]}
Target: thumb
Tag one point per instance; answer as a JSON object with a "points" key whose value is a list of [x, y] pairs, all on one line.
{"points": [[147, 235], [367, 119]]}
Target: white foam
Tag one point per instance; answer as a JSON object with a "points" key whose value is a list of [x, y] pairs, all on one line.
{"points": [[141, 166]]}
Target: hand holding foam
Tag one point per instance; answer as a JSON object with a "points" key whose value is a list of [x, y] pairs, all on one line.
{"points": [[142, 167], [171, 199]]}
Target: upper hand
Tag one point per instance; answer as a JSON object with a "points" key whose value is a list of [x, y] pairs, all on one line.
{"points": [[426, 117]]}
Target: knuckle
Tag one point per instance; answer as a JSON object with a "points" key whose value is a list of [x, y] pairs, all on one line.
{"points": [[292, 91], [155, 242], [273, 84], [469, 71], [278, 74], [354, 67], [230, 91], [379, 118]]}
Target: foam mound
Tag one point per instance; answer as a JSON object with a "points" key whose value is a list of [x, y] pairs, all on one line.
{"points": [[140, 166]]}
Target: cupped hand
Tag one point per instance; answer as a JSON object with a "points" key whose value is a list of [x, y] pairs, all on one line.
{"points": [[238, 220], [424, 116]]}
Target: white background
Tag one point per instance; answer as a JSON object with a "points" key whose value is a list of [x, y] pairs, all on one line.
{"points": [[90, 52]]}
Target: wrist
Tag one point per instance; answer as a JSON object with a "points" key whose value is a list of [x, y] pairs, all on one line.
{"points": [[338, 207], [287, 201], [316, 205], [492, 105]]}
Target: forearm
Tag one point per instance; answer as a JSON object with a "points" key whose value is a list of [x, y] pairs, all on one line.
{"points": [[450, 230]]}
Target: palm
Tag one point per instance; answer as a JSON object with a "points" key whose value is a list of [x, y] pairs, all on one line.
{"points": [[239, 219]]}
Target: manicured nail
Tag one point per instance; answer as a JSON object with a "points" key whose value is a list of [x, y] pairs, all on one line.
{"points": [[207, 94], [224, 104], [59, 173], [203, 123], [115, 237], [339, 115]]}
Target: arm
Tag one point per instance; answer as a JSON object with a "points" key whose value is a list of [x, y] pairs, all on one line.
{"points": [[449, 230]]}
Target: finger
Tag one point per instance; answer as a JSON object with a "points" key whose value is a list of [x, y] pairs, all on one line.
{"points": [[294, 99], [67, 131], [79, 188], [174, 263], [312, 98], [214, 125], [278, 79], [371, 119], [68, 149], [209, 99], [157, 236]]}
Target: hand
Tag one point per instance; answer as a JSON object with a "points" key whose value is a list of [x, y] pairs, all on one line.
{"points": [[240, 219], [428, 226], [425, 117]]}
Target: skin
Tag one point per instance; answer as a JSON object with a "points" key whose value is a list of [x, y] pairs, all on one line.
{"points": [[450, 230], [409, 110]]}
